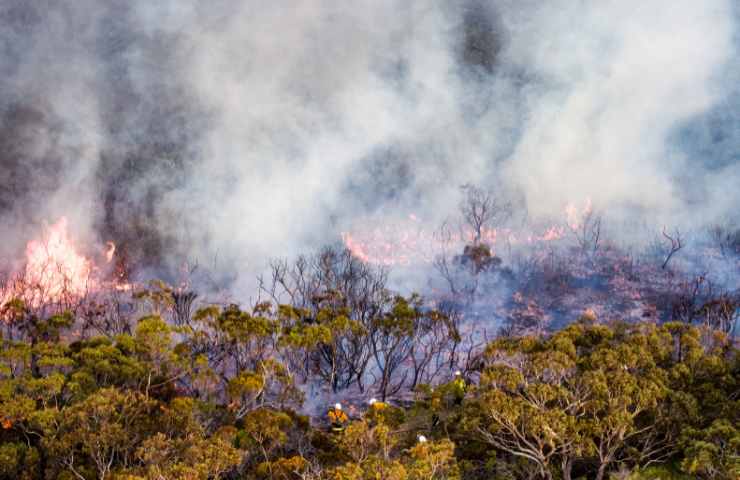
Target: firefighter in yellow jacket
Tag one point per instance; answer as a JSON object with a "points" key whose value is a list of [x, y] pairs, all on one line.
{"points": [[377, 406], [459, 387], [375, 411], [337, 418]]}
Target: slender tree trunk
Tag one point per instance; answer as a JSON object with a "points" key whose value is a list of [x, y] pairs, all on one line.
{"points": [[601, 471], [567, 467], [35, 369], [43, 459]]}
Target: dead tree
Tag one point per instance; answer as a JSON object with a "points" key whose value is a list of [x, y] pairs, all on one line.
{"points": [[727, 239], [461, 281], [588, 232], [675, 245], [688, 297], [109, 313], [697, 299], [481, 209], [720, 312]]}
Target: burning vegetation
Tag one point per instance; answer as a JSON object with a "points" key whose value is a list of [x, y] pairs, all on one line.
{"points": [[56, 276], [554, 357], [369, 240]]}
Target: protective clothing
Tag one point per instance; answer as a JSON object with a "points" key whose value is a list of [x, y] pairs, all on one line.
{"points": [[459, 387], [377, 406], [337, 418]]}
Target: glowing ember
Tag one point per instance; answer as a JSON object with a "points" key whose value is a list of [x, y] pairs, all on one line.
{"points": [[54, 268], [407, 242], [395, 243]]}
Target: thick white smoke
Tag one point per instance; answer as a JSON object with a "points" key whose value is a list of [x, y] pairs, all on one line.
{"points": [[51, 129], [612, 81], [241, 130]]}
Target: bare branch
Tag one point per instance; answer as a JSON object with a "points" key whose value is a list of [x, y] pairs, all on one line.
{"points": [[481, 209], [676, 245]]}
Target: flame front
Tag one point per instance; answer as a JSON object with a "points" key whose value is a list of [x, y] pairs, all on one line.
{"points": [[56, 273], [407, 242], [54, 269]]}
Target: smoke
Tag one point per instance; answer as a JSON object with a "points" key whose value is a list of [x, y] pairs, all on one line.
{"points": [[613, 81], [229, 132]]}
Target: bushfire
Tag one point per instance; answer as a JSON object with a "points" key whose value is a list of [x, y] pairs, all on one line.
{"points": [[54, 270], [409, 241]]}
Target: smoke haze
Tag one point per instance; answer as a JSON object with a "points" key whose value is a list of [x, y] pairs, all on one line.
{"points": [[229, 132]]}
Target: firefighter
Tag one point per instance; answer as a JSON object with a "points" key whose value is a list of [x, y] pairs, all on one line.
{"points": [[337, 418], [377, 412], [459, 387], [377, 406]]}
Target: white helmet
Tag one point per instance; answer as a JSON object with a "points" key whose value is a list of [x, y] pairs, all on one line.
{"points": [[458, 373], [422, 439], [372, 401], [337, 406]]}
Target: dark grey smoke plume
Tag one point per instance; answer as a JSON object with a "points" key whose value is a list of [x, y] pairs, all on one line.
{"points": [[232, 131]]}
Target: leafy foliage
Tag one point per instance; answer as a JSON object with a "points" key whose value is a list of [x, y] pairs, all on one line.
{"points": [[215, 395]]}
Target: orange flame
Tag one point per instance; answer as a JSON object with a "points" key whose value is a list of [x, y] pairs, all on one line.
{"points": [[407, 242], [54, 267], [56, 273], [574, 216]]}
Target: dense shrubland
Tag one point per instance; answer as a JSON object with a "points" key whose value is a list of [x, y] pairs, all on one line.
{"points": [[577, 360], [167, 387]]}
